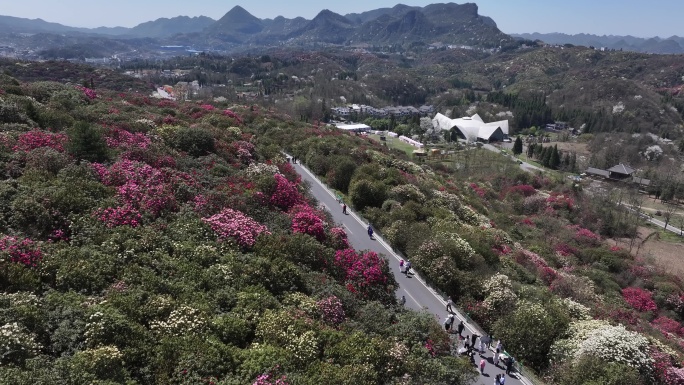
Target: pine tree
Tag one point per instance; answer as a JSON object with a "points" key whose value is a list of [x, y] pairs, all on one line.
{"points": [[518, 146], [554, 158], [530, 150]]}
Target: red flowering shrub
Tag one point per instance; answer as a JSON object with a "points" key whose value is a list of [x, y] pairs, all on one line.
{"points": [[478, 190], [523, 189], [35, 139], [306, 220], [233, 115], [639, 299], [363, 273], [560, 202], [24, 251], [285, 194], [565, 250], [664, 372], [235, 224], [87, 92], [118, 137]]}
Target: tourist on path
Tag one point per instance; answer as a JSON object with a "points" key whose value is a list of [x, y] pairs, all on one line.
{"points": [[482, 365], [449, 303], [344, 209], [448, 322], [502, 379], [401, 266], [460, 329], [495, 359], [407, 266]]}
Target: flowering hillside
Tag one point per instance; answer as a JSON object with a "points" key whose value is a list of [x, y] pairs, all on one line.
{"points": [[147, 241], [524, 255]]}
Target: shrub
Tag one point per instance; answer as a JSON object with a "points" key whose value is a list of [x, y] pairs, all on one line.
{"points": [[639, 299]]}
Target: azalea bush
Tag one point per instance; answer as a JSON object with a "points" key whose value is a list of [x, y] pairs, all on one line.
{"points": [[235, 225], [639, 299]]}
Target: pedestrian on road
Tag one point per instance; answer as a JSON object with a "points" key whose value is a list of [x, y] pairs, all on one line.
{"points": [[448, 322], [497, 379], [460, 329], [502, 379], [370, 232], [499, 346], [473, 340], [401, 266], [402, 301], [449, 303], [509, 365], [489, 341], [482, 365], [495, 359], [483, 345], [407, 267], [344, 209]]}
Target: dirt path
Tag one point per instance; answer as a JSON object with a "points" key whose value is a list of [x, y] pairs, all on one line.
{"points": [[666, 255]]}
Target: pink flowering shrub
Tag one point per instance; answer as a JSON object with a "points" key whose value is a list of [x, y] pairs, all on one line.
{"points": [[332, 310], [285, 194], [117, 137], [35, 139], [233, 115], [565, 250], [24, 251], [668, 326], [639, 299], [207, 107], [478, 190], [534, 262], [270, 379], [306, 220], [87, 92], [338, 238], [119, 216], [234, 224], [559, 201], [244, 150], [663, 370]]}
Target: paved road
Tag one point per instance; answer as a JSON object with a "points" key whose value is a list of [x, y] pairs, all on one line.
{"points": [[524, 165], [418, 295], [656, 222]]}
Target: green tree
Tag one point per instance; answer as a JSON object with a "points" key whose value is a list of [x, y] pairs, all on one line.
{"points": [[87, 143], [554, 158], [518, 146]]}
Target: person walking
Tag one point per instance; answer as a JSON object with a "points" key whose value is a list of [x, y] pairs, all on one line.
{"points": [[344, 209], [473, 340], [370, 232], [483, 362], [497, 379], [449, 305], [509, 365], [401, 266], [460, 329], [448, 322], [402, 301], [489, 341], [499, 346], [483, 345], [502, 379], [407, 267], [495, 359]]}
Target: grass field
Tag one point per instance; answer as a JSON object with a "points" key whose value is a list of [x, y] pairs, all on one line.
{"points": [[395, 144]]}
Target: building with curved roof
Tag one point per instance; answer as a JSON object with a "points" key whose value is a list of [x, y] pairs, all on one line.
{"points": [[472, 128]]}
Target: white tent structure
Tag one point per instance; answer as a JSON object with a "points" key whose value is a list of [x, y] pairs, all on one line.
{"points": [[473, 128]]}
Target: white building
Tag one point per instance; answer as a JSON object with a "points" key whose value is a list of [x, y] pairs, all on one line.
{"points": [[472, 128]]}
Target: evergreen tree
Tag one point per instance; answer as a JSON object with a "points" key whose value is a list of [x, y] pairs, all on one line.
{"points": [[87, 143], [518, 146], [546, 156], [538, 151], [573, 162], [530, 150], [554, 158]]}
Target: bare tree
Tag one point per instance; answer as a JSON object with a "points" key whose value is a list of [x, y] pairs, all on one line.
{"points": [[670, 208], [635, 200]]}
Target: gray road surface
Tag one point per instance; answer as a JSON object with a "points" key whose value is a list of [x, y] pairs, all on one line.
{"points": [[418, 295]]}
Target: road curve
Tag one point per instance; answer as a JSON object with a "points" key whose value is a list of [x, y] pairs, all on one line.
{"points": [[419, 296]]}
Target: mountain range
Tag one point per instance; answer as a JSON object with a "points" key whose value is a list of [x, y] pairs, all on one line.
{"points": [[448, 23], [670, 45]]}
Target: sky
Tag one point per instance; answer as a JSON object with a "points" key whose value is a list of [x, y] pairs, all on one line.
{"points": [[640, 18]]}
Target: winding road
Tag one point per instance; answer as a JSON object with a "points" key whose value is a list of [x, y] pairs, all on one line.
{"points": [[419, 296]]}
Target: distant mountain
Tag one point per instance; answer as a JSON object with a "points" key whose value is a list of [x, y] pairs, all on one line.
{"points": [[671, 45], [360, 18], [235, 25], [326, 27], [168, 27], [10, 24]]}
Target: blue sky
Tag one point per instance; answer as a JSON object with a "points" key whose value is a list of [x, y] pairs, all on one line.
{"points": [[662, 18]]}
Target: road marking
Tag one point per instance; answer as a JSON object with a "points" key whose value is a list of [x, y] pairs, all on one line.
{"points": [[414, 300], [348, 229]]}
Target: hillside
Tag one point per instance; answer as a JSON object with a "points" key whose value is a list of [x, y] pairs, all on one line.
{"points": [[657, 45]]}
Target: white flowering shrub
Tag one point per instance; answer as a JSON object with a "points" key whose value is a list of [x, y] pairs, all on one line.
{"points": [[468, 215], [280, 328], [445, 199], [576, 310], [302, 302], [406, 192], [256, 169], [182, 321], [596, 338], [16, 344], [500, 295]]}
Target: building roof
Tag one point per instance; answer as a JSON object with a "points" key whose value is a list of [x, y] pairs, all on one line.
{"points": [[597, 171], [621, 169], [352, 127], [641, 181], [471, 126]]}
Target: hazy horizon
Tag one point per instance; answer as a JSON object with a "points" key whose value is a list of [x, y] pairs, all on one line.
{"points": [[608, 17]]}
